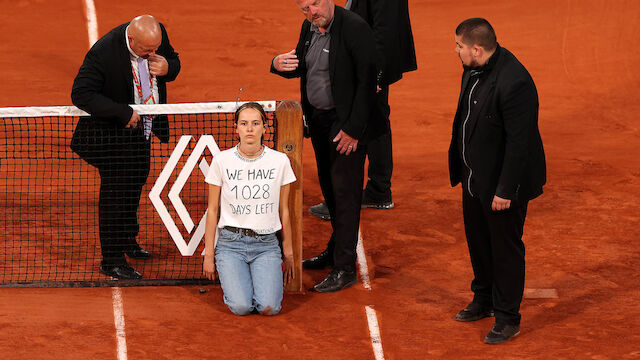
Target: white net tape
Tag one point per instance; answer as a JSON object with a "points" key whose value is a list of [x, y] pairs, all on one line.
{"points": [[186, 108]]}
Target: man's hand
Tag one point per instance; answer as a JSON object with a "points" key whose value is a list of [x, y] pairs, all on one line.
{"points": [[500, 204], [209, 268], [134, 121], [286, 62], [287, 268], [346, 144], [158, 65]]}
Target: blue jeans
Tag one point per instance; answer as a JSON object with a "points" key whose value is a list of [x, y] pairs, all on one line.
{"points": [[250, 271]]}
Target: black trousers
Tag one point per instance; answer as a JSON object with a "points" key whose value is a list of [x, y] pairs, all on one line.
{"points": [[380, 154], [341, 178], [121, 180], [497, 255], [122, 157]]}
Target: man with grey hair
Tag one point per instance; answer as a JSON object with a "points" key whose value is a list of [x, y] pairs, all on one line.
{"points": [[391, 25], [496, 154], [335, 60], [131, 64]]}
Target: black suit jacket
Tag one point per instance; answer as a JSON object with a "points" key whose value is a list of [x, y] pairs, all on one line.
{"points": [[503, 146], [389, 19], [104, 84], [352, 70]]}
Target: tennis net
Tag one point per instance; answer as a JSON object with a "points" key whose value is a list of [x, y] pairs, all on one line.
{"points": [[50, 225]]}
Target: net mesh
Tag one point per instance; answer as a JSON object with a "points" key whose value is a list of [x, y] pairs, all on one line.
{"points": [[53, 212]]}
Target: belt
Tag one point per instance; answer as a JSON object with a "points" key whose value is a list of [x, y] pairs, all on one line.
{"points": [[241, 231]]}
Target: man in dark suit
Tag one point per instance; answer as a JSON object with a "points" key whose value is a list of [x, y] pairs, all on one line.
{"points": [[129, 65], [396, 55], [335, 59], [496, 153]]}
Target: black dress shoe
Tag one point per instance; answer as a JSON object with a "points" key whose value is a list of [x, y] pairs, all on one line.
{"points": [[120, 271], [138, 253], [336, 281], [320, 210], [382, 205], [500, 333], [322, 261], [473, 312]]}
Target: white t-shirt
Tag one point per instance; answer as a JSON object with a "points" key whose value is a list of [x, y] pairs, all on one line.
{"points": [[250, 188]]}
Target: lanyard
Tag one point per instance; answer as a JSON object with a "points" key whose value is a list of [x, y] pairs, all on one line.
{"points": [[136, 81]]}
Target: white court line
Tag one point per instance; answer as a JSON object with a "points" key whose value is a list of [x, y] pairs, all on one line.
{"points": [[92, 21], [118, 313], [362, 263], [374, 332], [372, 319], [118, 319]]}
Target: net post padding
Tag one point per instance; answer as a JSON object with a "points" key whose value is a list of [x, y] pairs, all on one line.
{"points": [[289, 141]]}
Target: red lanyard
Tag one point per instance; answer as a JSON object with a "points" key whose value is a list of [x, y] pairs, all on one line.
{"points": [[136, 81]]}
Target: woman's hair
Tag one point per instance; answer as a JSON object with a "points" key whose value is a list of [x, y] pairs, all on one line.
{"points": [[255, 106], [251, 105]]}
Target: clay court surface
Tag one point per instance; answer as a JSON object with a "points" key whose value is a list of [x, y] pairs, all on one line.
{"points": [[581, 235]]}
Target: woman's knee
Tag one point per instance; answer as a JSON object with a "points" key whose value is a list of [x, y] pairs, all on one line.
{"points": [[239, 304], [269, 309], [240, 309]]}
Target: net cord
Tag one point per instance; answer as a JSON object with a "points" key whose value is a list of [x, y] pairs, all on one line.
{"points": [[156, 109]]}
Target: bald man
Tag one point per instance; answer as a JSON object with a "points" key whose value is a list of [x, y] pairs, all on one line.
{"points": [[129, 65]]}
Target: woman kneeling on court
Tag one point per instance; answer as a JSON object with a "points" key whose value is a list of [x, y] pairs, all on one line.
{"points": [[249, 183]]}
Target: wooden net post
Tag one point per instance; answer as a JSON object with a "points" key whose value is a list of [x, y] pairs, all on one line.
{"points": [[289, 141]]}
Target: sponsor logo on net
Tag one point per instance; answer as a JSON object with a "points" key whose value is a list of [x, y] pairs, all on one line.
{"points": [[205, 142]]}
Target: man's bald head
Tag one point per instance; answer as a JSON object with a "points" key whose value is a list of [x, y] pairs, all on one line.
{"points": [[145, 35]]}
